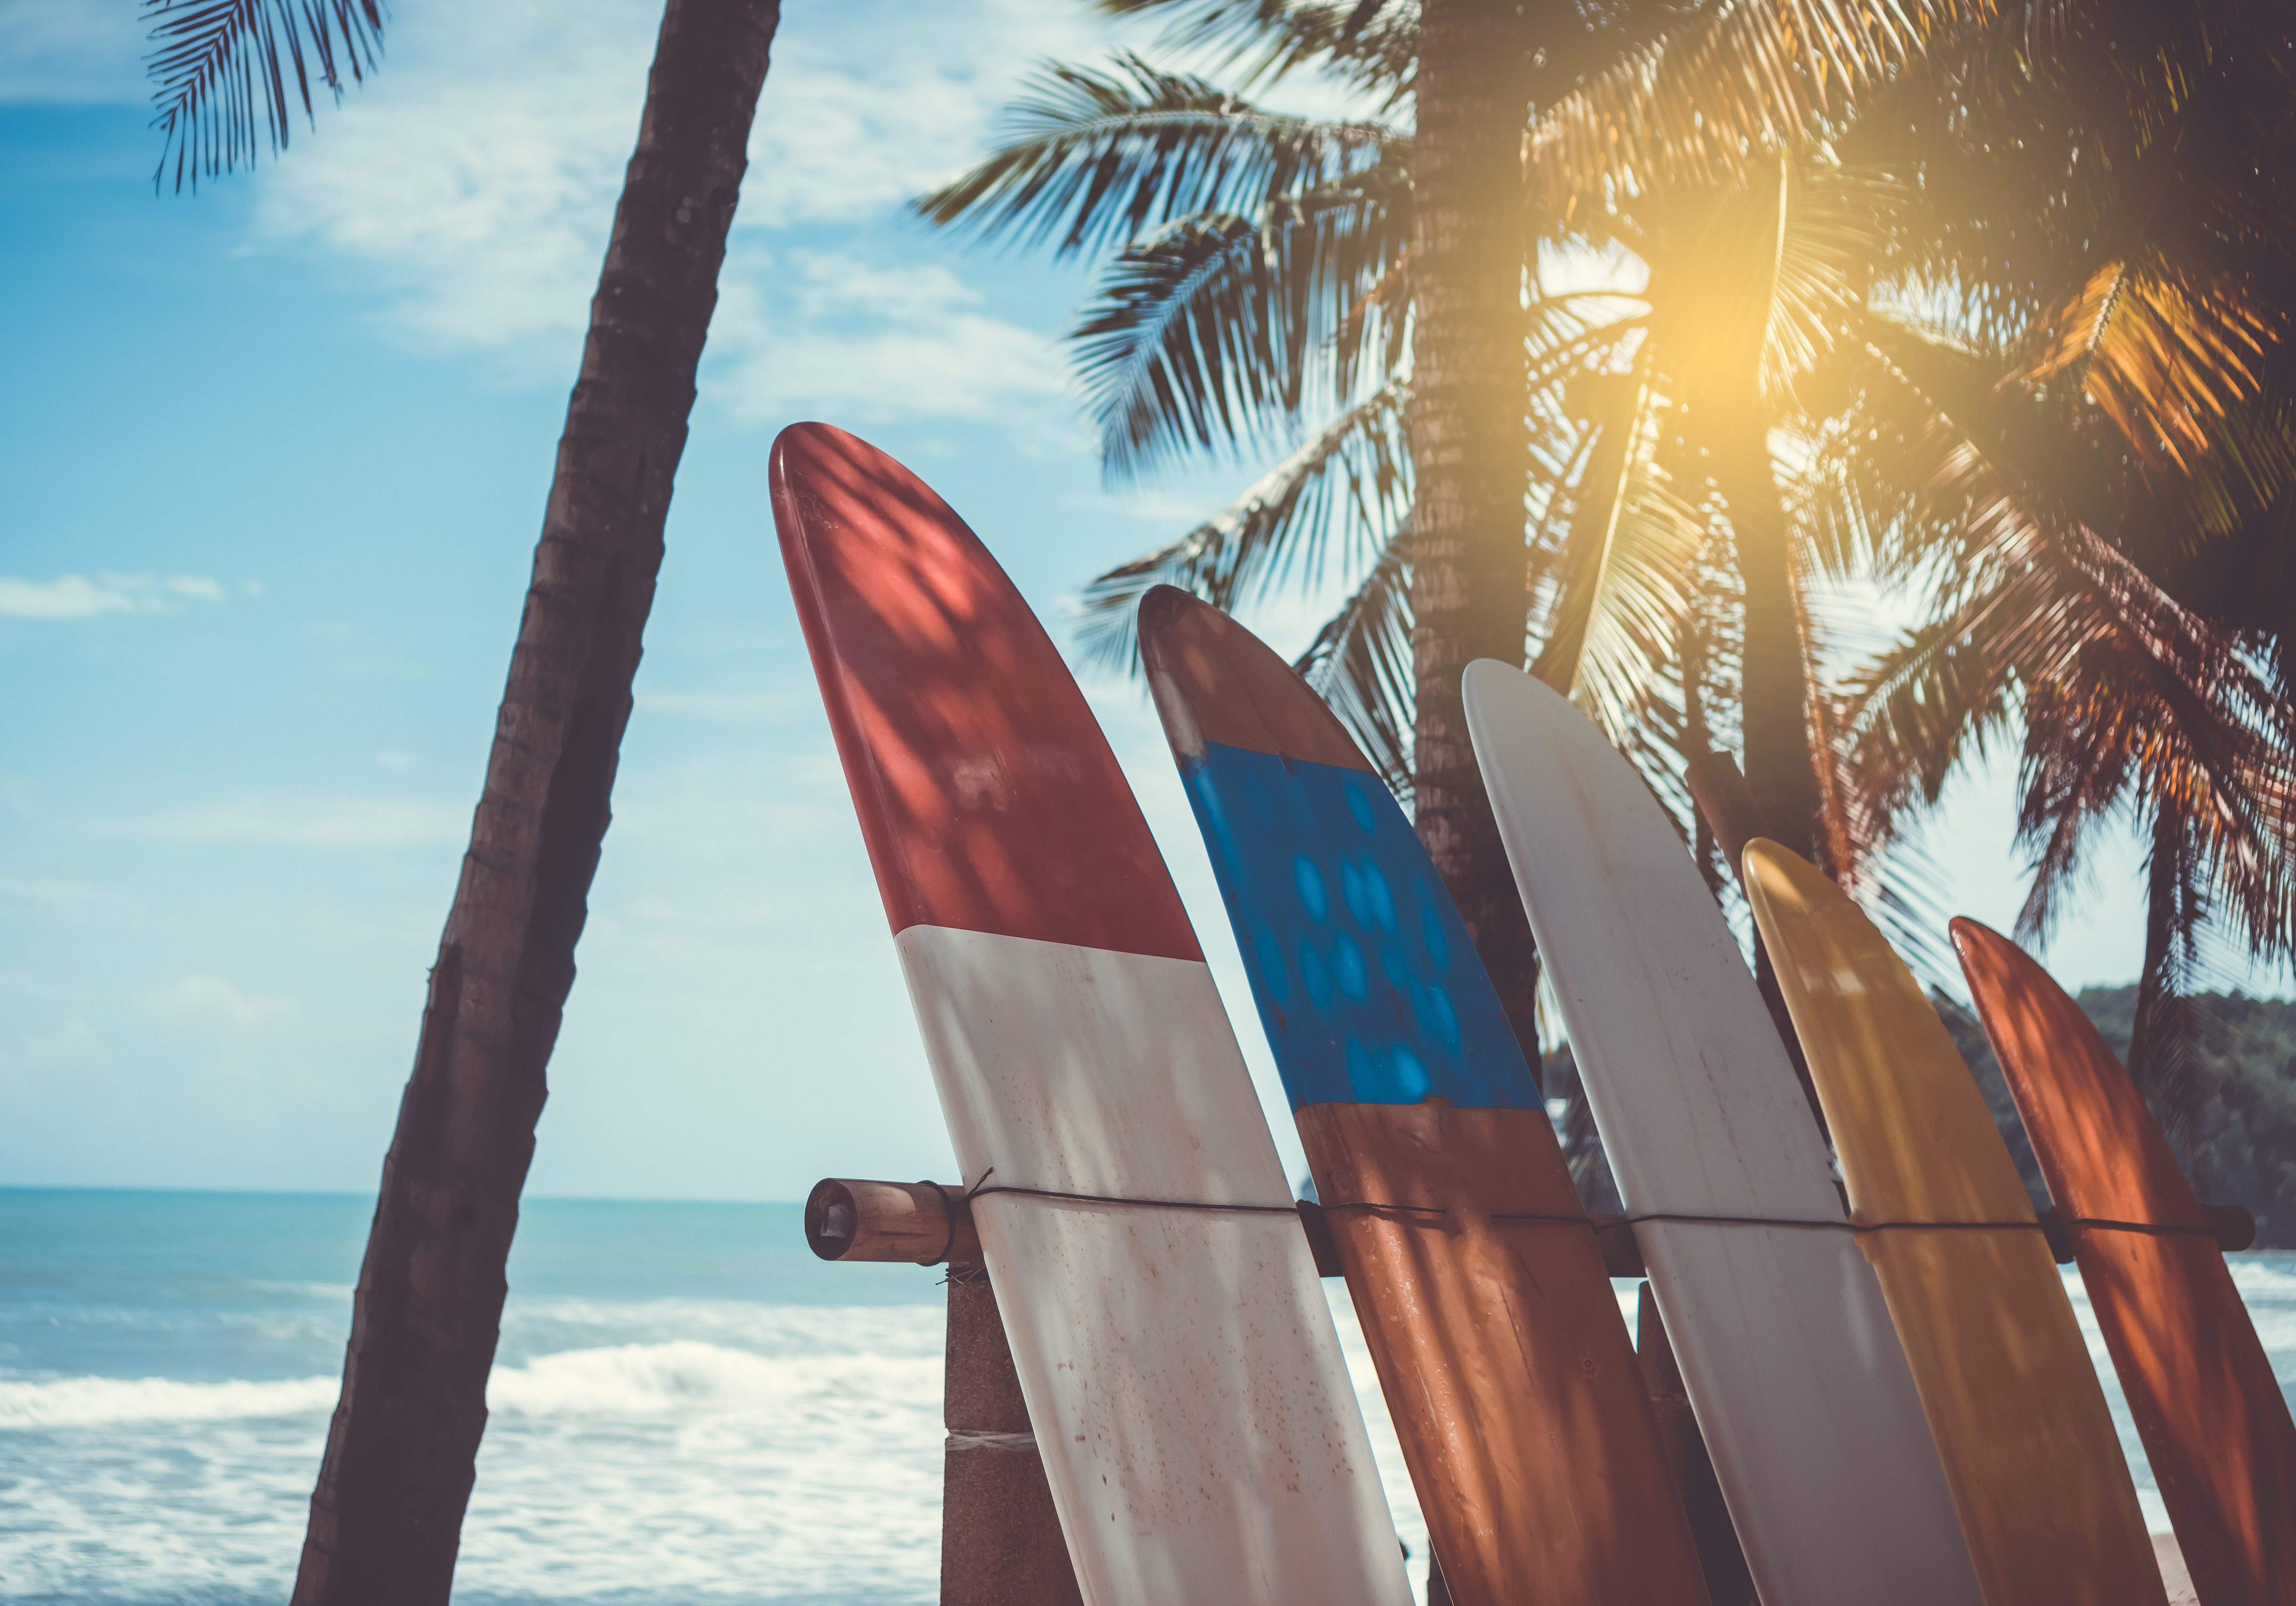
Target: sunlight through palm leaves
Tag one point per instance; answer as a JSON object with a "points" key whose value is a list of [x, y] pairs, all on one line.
{"points": [[1818, 300]]}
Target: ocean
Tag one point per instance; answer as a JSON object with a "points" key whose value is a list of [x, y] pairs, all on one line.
{"points": [[687, 1406]]}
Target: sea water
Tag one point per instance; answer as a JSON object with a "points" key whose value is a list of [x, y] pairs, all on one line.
{"points": [[686, 1405]]}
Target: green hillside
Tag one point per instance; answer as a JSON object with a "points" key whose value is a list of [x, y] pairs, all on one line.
{"points": [[2242, 1150]]}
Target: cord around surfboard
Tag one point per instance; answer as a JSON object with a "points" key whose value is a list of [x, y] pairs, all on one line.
{"points": [[930, 1223]]}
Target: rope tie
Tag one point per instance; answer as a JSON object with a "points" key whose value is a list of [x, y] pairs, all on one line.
{"points": [[982, 1188]]}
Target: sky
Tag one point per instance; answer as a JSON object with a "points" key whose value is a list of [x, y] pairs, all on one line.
{"points": [[273, 461]]}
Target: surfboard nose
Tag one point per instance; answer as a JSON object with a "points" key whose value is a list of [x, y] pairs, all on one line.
{"points": [[1216, 681], [987, 795]]}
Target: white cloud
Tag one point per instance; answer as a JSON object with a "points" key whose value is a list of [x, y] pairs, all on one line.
{"points": [[868, 105], [475, 176], [398, 761], [831, 334], [475, 182], [77, 597], [212, 997], [323, 822]]}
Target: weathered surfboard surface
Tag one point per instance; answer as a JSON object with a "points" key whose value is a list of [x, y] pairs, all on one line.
{"points": [[1180, 1368], [2021, 1424], [2215, 1425], [1786, 1348], [1506, 1363]]}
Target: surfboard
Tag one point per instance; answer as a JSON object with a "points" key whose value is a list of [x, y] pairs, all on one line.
{"points": [[2021, 1424], [1792, 1368], [1182, 1373], [1474, 1272], [2215, 1424]]}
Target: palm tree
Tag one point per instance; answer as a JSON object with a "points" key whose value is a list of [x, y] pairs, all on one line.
{"points": [[1359, 290], [386, 1516], [2091, 469]]}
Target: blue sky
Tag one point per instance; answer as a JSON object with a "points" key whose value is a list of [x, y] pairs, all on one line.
{"points": [[271, 464]]}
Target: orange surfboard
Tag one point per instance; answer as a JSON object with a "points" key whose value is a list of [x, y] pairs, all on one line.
{"points": [[2215, 1424]]}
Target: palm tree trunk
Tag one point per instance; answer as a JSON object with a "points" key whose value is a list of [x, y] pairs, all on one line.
{"points": [[1469, 453], [1774, 712], [2163, 1040], [1774, 691], [387, 1515]]}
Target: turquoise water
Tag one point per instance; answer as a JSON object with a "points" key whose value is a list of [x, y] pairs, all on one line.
{"points": [[687, 1406]]}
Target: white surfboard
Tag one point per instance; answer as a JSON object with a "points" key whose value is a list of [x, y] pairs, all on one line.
{"points": [[1792, 1362], [1182, 1378]]}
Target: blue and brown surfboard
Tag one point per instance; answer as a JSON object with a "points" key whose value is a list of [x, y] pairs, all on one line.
{"points": [[1474, 1269]]}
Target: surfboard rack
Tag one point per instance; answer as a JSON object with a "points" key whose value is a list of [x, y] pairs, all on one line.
{"points": [[929, 1223]]}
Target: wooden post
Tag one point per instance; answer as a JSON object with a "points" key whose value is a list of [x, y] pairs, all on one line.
{"points": [[1727, 1580], [1000, 1539]]}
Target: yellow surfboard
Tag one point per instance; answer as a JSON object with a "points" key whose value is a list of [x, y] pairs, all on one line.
{"points": [[2029, 1451]]}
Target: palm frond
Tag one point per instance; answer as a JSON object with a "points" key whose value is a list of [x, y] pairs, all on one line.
{"points": [[2206, 742], [1838, 227], [1917, 711], [1907, 901], [1882, 435], [1622, 583], [1372, 45], [1347, 488], [2167, 355], [2128, 696], [1091, 158], [1360, 663], [1219, 331], [1727, 89], [228, 75]]}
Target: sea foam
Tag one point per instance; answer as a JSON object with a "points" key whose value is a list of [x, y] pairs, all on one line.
{"points": [[626, 1379], [100, 1402]]}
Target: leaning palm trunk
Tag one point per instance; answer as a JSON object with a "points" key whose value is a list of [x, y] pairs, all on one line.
{"points": [[386, 1517], [1470, 452]]}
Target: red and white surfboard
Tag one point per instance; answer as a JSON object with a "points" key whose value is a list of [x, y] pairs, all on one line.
{"points": [[1177, 1356]]}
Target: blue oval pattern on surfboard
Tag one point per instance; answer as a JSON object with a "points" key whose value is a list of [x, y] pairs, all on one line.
{"points": [[1368, 984]]}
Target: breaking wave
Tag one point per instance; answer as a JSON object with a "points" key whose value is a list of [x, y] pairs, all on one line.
{"points": [[101, 1401], [679, 1377]]}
